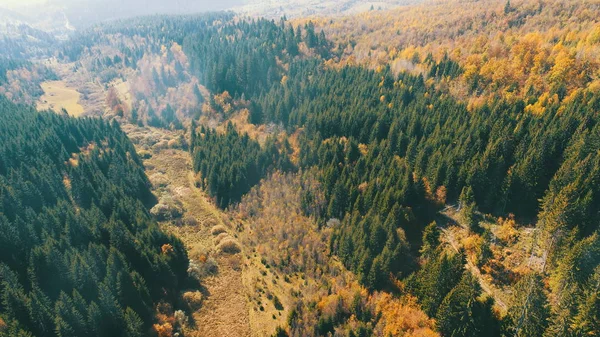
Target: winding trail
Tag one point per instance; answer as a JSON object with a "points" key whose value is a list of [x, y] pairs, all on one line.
{"points": [[448, 217], [485, 286]]}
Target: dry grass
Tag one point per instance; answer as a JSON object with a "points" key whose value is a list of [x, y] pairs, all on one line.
{"points": [[222, 310], [220, 238], [57, 96]]}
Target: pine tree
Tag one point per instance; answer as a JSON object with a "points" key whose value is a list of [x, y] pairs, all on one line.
{"points": [[133, 324], [431, 240], [467, 208], [456, 315], [587, 320], [529, 311]]}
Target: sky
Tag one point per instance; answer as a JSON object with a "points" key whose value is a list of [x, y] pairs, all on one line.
{"points": [[17, 3], [196, 3]]}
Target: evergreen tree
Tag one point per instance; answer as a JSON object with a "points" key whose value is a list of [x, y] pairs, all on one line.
{"points": [[529, 311], [467, 208]]}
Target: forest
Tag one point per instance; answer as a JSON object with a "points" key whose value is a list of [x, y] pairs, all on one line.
{"points": [[386, 170], [391, 150], [79, 253]]}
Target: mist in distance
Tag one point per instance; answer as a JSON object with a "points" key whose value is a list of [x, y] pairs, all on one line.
{"points": [[83, 13]]}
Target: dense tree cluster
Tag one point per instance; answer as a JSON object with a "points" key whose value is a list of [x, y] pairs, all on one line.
{"points": [[20, 79], [453, 296], [529, 49], [246, 57], [7, 64], [383, 140], [231, 163], [390, 148], [79, 253]]}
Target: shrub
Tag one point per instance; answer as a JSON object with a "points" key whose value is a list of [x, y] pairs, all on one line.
{"points": [[218, 229], [211, 266], [507, 231], [181, 318], [190, 221], [143, 154], [163, 144], [230, 246], [168, 208], [199, 270], [277, 303], [193, 299], [163, 330], [174, 144], [220, 237], [280, 332]]}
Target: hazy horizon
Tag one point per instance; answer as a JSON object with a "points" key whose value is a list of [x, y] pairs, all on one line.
{"points": [[83, 13]]}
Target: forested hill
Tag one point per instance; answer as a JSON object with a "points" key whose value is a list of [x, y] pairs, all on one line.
{"points": [[79, 253], [434, 176], [392, 149]]}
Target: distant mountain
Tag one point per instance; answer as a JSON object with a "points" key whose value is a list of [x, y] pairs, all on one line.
{"points": [[305, 8], [82, 13], [60, 16]]}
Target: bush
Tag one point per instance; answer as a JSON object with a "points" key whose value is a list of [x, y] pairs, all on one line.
{"points": [[163, 144], [220, 238], [193, 299], [277, 303], [218, 229], [144, 154], [174, 144], [167, 208], [230, 246], [181, 318], [280, 332], [190, 221], [187, 221], [199, 270]]}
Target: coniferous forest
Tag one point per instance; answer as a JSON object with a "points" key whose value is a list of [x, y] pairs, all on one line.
{"points": [[352, 177], [79, 253]]}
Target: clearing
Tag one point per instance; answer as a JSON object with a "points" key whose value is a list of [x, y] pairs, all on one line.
{"points": [[57, 96], [224, 310]]}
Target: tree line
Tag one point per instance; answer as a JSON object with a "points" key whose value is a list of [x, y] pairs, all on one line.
{"points": [[79, 253]]}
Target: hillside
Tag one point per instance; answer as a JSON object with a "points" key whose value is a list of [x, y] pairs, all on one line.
{"points": [[79, 253], [540, 52], [276, 9], [430, 169]]}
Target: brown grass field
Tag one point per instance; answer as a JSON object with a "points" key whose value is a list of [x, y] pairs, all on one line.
{"points": [[57, 96], [224, 310]]}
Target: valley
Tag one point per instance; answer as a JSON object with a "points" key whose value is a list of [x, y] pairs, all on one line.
{"points": [[393, 168], [223, 308]]}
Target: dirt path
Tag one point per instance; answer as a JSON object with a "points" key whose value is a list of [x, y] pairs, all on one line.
{"points": [[224, 311], [485, 286]]}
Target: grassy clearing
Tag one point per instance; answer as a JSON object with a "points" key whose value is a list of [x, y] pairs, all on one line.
{"points": [[219, 308], [57, 96]]}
